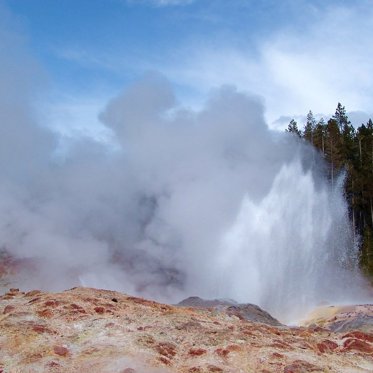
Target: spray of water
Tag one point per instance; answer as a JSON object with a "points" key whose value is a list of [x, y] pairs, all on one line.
{"points": [[209, 203], [293, 249]]}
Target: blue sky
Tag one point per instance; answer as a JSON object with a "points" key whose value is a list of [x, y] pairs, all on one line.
{"points": [[296, 55]]}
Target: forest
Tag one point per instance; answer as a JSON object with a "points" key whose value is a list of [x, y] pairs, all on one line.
{"points": [[348, 150]]}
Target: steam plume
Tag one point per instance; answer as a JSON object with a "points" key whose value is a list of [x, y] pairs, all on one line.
{"points": [[210, 203]]}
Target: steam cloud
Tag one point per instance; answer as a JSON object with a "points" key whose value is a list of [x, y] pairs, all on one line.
{"points": [[208, 203]]}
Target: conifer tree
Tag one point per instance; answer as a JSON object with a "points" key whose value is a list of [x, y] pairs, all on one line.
{"points": [[349, 150], [332, 146], [319, 136], [309, 128], [340, 117], [293, 128]]}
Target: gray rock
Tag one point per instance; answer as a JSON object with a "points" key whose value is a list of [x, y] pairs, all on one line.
{"points": [[362, 323], [244, 311]]}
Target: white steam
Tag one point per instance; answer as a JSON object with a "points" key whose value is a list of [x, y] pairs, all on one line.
{"points": [[208, 203]]}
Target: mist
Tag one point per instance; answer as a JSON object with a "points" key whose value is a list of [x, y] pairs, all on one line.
{"points": [[210, 203]]}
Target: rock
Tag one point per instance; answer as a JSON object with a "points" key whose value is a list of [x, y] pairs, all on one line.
{"points": [[32, 293], [61, 351], [8, 309], [361, 322], [197, 351], [213, 368], [343, 318], [198, 302], [244, 311], [142, 336], [360, 335], [45, 313], [166, 349], [327, 346], [300, 366], [39, 329], [357, 345]]}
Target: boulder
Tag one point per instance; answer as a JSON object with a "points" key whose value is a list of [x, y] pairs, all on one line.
{"points": [[244, 311]]}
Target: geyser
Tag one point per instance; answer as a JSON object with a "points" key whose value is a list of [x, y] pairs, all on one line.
{"points": [[209, 203], [292, 249]]}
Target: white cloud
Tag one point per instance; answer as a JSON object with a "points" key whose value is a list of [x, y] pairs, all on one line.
{"points": [[303, 67], [328, 62]]}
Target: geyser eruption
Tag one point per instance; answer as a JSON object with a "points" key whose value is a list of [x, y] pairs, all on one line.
{"points": [[209, 203], [293, 248]]}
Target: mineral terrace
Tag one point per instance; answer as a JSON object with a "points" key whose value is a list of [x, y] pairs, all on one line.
{"points": [[90, 330]]}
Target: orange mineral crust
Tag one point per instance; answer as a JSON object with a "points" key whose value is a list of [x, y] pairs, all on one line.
{"points": [[90, 330]]}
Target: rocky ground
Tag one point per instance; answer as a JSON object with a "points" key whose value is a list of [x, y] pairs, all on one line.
{"points": [[90, 330], [343, 318]]}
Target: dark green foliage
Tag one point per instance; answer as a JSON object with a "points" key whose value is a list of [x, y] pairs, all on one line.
{"points": [[293, 128], [319, 136], [309, 128], [367, 253], [332, 148], [350, 150], [340, 117]]}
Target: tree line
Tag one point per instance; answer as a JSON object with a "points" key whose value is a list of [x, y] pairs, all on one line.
{"points": [[351, 150]]}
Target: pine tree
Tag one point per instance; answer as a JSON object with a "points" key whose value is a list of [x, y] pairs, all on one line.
{"points": [[345, 148], [332, 146], [309, 128], [319, 136], [340, 117], [365, 172], [293, 128]]}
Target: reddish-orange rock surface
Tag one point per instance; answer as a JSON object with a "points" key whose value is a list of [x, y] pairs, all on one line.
{"points": [[90, 330]]}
